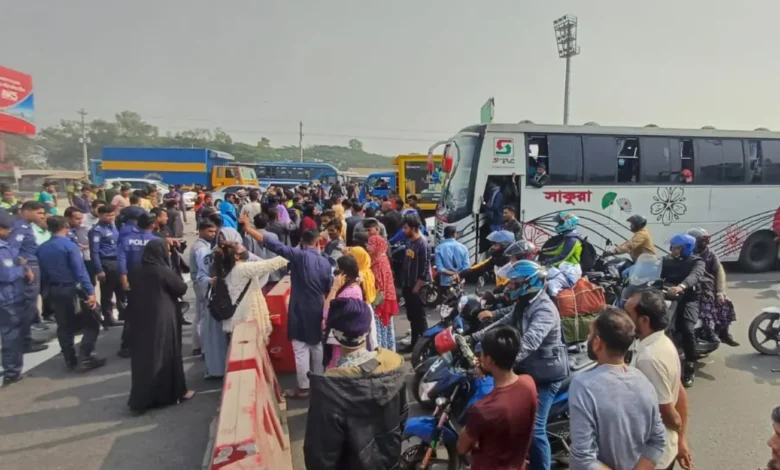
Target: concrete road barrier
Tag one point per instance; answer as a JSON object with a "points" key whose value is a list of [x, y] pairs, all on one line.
{"points": [[251, 428]]}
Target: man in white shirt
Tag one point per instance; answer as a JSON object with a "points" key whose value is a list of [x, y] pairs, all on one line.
{"points": [[657, 358]]}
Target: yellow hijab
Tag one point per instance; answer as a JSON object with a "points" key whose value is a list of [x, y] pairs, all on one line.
{"points": [[364, 268]]}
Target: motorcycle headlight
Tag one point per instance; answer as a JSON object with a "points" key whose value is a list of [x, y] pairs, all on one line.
{"points": [[462, 302], [441, 402]]}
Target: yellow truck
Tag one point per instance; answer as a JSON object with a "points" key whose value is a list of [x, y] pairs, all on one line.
{"points": [[415, 179]]}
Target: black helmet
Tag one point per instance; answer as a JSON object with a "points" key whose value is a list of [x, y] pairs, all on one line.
{"points": [[522, 249], [702, 236], [469, 305], [638, 221]]}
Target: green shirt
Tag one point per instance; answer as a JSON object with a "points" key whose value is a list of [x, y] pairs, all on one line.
{"points": [[46, 198], [41, 235]]}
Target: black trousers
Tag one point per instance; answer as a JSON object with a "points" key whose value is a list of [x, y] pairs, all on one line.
{"points": [[685, 322], [415, 312], [111, 287], [63, 299]]}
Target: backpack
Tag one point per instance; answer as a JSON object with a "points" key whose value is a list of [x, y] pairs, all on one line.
{"points": [[220, 305], [588, 255]]}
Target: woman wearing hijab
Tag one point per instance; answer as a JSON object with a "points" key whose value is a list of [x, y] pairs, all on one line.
{"points": [[157, 371], [228, 212], [213, 336], [386, 305]]}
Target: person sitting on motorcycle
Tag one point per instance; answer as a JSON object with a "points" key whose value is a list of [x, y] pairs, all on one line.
{"points": [[496, 258], [521, 249], [535, 314], [569, 247], [716, 310], [685, 271], [640, 243]]}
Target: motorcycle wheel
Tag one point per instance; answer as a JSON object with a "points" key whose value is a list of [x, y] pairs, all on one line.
{"points": [[412, 457], [423, 349], [429, 294], [419, 373], [770, 333]]}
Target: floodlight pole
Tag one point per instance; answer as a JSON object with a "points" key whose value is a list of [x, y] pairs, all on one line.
{"points": [[565, 29]]}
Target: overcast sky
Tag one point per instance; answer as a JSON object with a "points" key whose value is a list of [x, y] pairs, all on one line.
{"points": [[398, 75]]}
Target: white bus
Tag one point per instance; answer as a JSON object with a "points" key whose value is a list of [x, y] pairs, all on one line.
{"points": [[604, 174]]}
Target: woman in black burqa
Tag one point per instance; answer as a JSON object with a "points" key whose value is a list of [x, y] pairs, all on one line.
{"points": [[157, 370]]}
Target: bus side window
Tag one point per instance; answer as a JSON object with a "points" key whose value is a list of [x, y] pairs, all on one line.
{"points": [[686, 161], [538, 161], [770, 151], [627, 160], [755, 161]]}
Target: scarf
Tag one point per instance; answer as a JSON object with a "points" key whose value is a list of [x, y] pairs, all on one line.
{"points": [[380, 266], [364, 269]]}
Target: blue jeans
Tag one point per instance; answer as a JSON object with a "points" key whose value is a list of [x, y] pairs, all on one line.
{"points": [[540, 455], [11, 324]]}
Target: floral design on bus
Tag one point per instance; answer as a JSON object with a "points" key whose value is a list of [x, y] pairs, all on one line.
{"points": [[669, 205]]}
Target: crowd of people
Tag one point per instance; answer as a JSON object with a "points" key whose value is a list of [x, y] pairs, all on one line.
{"points": [[345, 291]]}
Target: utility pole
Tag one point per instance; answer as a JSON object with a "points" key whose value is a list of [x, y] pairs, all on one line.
{"points": [[566, 38], [84, 141], [300, 139]]}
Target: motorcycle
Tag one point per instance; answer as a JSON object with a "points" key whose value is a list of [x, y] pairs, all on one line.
{"points": [[452, 385], [609, 273], [429, 292], [770, 332], [704, 347]]}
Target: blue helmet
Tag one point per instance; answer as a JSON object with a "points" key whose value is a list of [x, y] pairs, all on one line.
{"points": [[526, 277], [685, 241], [502, 237], [566, 222]]}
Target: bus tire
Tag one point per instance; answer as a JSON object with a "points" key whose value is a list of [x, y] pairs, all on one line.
{"points": [[759, 252]]}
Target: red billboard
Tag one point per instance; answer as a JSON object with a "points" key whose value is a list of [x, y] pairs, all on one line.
{"points": [[17, 109]]}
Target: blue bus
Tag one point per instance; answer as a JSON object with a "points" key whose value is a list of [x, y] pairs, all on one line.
{"points": [[379, 184], [296, 173]]}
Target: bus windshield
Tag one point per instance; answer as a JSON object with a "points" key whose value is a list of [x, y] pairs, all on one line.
{"points": [[457, 194]]}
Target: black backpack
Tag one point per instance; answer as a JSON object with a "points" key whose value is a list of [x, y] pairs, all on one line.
{"points": [[588, 256], [220, 305]]}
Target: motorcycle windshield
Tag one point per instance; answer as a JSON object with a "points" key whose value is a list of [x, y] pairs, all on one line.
{"points": [[646, 269]]}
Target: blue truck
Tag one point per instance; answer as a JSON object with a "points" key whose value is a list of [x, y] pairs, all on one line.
{"points": [[186, 166]]}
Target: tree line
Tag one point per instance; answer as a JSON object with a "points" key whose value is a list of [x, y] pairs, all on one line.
{"points": [[60, 146]]}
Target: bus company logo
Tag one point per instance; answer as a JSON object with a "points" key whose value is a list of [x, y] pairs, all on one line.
{"points": [[503, 147]]}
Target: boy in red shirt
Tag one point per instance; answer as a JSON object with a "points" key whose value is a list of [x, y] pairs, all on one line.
{"points": [[499, 427]]}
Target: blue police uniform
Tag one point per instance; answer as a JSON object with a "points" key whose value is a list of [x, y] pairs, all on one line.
{"points": [[63, 272], [128, 228], [104, 250], [12, 304], [24, 244], [131, 249]]}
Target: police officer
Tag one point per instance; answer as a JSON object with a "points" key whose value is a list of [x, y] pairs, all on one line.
{"points": [[131, 250], [130, 217], [23, 241], [64, 273], [12, 303], [685, 270], [103, 248]]}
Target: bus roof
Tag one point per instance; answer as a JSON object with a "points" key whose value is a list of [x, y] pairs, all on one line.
{"points": [[648, 131]]}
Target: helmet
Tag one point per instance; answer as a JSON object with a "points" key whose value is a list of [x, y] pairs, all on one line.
{"points": [[686, 173], [526, 277], [502, 237], [701, 236], [566, 222], [469, 305], [637, 220], [522, 249], [687, 242]]}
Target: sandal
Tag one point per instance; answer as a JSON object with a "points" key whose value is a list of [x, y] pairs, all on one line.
{"points": [[296, 394], [187, 396]]}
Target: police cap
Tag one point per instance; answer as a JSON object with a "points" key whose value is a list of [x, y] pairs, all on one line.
{"points": [[6, 219]]}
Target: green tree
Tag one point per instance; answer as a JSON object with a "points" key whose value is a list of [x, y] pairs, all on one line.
{"points": [[355, 144]]}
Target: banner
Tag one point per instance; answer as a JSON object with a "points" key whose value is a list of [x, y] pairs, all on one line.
{"points": [[487, 111], [17, 110]]}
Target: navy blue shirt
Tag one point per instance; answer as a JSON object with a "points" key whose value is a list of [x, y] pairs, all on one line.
{"points": [[131, 249], [61, 263], [127, 229], [417, 262], [22, 240], [103, 243], [11, 284]]}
